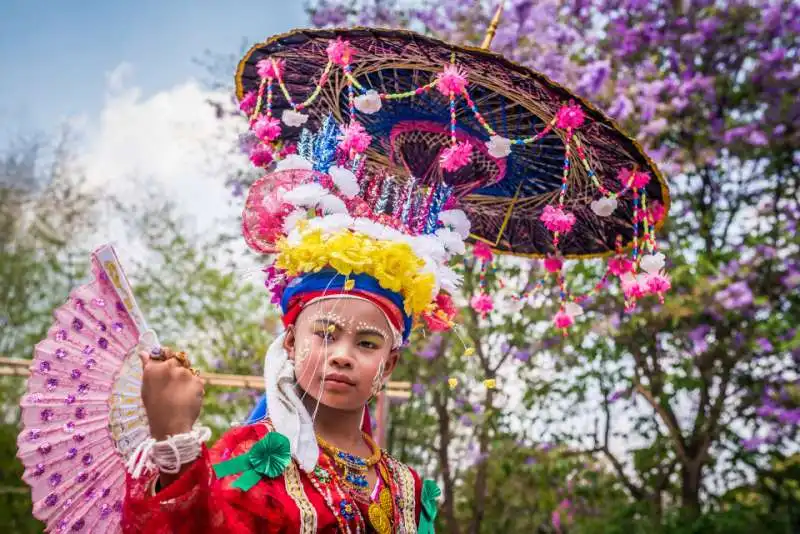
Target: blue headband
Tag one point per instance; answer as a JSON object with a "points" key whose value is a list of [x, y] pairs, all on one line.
{"points": [[330, 279]]}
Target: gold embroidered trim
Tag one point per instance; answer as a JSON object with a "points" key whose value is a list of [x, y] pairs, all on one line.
{"points": [[405, 481], [294, 487]]}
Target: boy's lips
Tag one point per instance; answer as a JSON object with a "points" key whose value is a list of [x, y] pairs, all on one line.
{"points": [[339, 378]]}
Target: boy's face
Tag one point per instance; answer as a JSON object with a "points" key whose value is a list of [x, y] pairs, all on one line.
{"points": [[342, 349]]}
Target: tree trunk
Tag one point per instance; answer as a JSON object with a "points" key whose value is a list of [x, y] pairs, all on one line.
{"points": [[691, 477], [481, 473], [448, 507]]}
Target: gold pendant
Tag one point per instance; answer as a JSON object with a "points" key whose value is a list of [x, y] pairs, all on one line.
{"points": [[379, 519]]}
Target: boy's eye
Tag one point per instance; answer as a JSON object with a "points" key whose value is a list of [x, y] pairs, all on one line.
{"points": [[369, 344], [324, 333]]}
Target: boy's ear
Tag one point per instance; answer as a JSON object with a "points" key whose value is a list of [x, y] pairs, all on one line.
{"points": [[391, 364], [289, 341]]}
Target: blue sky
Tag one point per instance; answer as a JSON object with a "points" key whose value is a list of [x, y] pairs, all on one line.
{"points": [[55, 55]]}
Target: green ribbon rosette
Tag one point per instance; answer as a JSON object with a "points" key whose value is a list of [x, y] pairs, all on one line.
{"points": [[268, 458]]}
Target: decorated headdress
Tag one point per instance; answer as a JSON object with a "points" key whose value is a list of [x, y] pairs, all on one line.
{"points": [[387, 150]]}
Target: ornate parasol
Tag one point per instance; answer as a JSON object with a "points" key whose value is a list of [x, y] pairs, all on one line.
{"points": [[561, 151]]}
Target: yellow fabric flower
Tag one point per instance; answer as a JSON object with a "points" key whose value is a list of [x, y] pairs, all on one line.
{"points": [[394, 265]]}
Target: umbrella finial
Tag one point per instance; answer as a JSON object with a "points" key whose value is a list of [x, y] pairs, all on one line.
{"points": [[487, 41]]}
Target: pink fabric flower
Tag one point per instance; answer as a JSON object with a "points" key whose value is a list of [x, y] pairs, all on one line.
{"points": [[248, 103], [339, 52], [620, 265], [440, 317], [563, 320], [261, 156], [482, 304], [354, 138], [267, 128], [451, 79], [269, 68], [553, 264], [570, 116], [456, 156], [557, 220], [482, 251]]}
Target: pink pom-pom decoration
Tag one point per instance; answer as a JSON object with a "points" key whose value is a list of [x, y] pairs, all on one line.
{"points": [[570, 116], [658, 283], [261, 156], [456, 156], [620, 265], [451, 80], [557, 220], [267, 128], [482, 251], [339, 52], [656, 210], [248, 103], [354, 139], [553, 264], [563, 320], [635, 179], [270, 68], [482, 304], [632, 286]]}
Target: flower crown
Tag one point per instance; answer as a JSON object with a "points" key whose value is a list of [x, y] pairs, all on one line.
{"points": [[321, 209]]}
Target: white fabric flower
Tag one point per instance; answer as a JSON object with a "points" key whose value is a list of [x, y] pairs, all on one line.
{"points": [[345, 181], [427, 246], [603, 207], [292, 162], [457, 221], [332, 223], [573, 309], [449, 279], [652, 263], [369, 103], [291, 220], [305, 195], [452, 241], [293, 118], [499, 146], [332, 204]]}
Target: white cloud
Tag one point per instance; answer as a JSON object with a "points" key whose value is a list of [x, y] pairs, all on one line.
{"points": [[172, 140]]}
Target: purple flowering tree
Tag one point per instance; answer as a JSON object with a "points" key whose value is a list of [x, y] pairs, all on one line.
{"points": [[696, 398]]}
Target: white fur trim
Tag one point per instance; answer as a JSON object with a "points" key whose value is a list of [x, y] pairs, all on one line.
{"points": [[305, 195], [294, 162]]}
